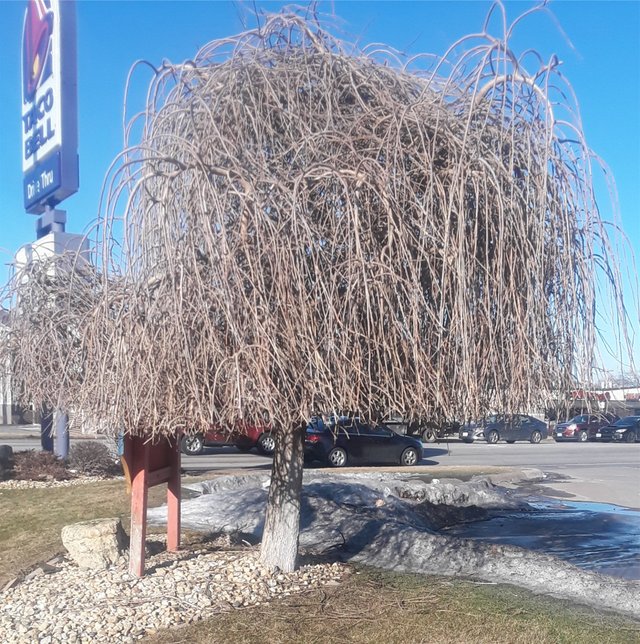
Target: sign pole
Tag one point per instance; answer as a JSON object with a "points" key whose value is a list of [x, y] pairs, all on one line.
{"points": [[46, 429], [62, 434], [147, 464], [49, 130]]}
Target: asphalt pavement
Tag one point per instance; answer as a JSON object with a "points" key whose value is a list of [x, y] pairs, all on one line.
{"points": [[597, 472], [11, 432]]}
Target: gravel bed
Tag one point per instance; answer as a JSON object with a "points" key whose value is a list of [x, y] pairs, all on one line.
{"points": [[14, 484], [63, 603]]}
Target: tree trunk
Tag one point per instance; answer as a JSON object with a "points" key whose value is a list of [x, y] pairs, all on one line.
{"points": [[282, 522]]}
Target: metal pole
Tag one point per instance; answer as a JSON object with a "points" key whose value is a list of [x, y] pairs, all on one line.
{"points": [[62, 434], [46, 426]]}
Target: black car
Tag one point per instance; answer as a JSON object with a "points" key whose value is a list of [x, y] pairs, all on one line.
{"points": [[348, 441], [626, 429], [507, 427]]}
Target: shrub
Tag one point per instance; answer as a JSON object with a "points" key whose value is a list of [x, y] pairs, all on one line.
{"points": [[39, 466], [93, 458]]}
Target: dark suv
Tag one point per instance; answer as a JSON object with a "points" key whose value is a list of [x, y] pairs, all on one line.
{"points": [[582, 428], [626, 429]]}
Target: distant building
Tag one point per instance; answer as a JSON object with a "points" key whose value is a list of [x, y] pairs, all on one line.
{"points": [[623, 401]]}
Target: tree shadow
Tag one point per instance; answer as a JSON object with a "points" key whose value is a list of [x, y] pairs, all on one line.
{"points": [[430, 452]]}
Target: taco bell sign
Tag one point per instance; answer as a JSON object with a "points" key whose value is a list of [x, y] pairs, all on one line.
{"points": [[49, 104]]}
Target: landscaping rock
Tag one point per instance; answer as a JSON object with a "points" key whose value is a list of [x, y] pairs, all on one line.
{"points": [[6, 461], [80, 606], [95, 544], [13, 484]]}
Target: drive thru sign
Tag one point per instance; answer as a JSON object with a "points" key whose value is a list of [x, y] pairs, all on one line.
{"points": [[49, 104]]}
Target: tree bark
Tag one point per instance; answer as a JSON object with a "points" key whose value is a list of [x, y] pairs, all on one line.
{"points": [[282, 523]]}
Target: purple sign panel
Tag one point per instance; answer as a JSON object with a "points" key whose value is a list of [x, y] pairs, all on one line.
{"points": [[49, 104]]}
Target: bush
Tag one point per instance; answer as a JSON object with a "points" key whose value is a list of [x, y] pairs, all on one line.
{"points": [[39, 466], [92, 458]]}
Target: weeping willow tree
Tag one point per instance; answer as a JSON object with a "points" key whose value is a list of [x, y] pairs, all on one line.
{"points": [[297, 226]]}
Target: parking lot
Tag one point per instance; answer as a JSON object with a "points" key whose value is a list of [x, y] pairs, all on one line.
{"points": [[601, 472]]}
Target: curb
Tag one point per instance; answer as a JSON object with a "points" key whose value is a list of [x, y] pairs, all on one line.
{"points": [[30, 435]]}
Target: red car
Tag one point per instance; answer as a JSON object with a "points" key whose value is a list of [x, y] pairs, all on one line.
{"points": [[582, 428], [244, 437]]}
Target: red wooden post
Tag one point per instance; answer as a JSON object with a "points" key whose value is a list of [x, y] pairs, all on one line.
{"points": [[137, 455], [173, 499], [145, 465]]}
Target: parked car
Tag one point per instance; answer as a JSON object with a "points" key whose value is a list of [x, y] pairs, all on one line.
{"points": [[582, 428], [507, 427], [244, 437], [348, 441], [626, 429], [430, 431]]}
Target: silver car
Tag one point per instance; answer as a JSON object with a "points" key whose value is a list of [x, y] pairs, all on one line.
{"points": [[507, 427]]}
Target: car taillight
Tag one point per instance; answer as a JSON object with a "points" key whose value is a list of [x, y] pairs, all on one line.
{"points": [[313, 438]]}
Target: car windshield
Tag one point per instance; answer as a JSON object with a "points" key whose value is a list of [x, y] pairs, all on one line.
{"points": [[628, 420], [335, 425], [580, 419], [316, 426]]}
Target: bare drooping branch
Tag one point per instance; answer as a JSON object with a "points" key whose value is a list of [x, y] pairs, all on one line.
{"points": [[311, 227]]}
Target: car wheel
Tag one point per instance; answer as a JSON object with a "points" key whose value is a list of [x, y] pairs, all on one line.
{"points": [[630, 437], [409, 457], [493, 437], [192, 445], [536, 436], [429, 435], [266, 444], [583, 437], [337, 457], [510, 442]]}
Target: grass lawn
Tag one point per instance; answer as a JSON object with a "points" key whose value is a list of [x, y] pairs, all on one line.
{"points": [[388, 608], [33, 519], [370, 606]]}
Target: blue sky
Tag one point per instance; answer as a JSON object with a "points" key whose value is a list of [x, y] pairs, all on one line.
{"points": [[598, 42]]}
